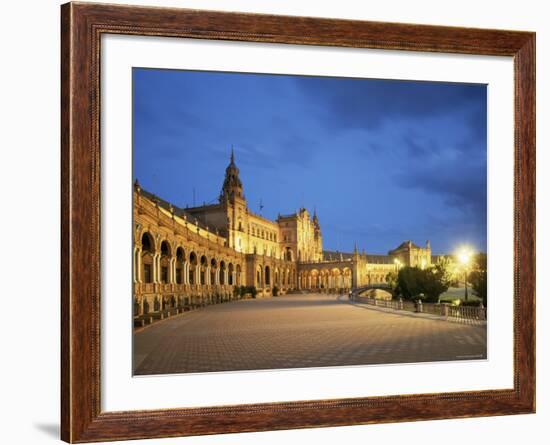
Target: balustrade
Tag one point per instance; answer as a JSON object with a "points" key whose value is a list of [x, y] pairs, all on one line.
{"points": [[466, 314]]}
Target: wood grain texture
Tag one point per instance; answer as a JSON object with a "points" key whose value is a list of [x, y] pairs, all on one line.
{"points": [[81, 28]]}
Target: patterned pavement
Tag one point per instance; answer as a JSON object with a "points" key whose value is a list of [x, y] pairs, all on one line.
{"points": [[298, 331]]}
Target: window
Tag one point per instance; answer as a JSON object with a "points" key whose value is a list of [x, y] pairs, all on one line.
{"points": [[147, 275], [178, 276], [164, 274]]}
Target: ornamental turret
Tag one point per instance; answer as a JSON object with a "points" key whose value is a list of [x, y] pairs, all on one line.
{"points": [[232, 186]]}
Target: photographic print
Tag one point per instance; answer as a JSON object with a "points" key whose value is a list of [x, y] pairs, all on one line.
{"points": [[284, 221]]}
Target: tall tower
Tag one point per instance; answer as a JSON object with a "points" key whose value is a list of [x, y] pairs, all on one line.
{"points": [[234, 203], [232, 186], [317, 237]]}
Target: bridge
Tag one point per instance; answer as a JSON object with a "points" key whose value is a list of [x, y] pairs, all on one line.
{"points": [[373, 286]]}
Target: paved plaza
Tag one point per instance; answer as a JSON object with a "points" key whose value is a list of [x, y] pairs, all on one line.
{"points": [[298, 331]]}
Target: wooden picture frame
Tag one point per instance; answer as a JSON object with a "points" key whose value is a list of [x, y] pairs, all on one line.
{"points": [[82, 25]]}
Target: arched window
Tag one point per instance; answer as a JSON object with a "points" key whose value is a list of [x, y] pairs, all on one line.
{"points": [[222, 272], [180, 262], [147, 254], [288, 254], [213, 270], [192, 267], [204, 264], [165, 255], [238, 274]]}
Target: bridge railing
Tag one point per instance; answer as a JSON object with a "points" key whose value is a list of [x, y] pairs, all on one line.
{"points": [[463, 314]]}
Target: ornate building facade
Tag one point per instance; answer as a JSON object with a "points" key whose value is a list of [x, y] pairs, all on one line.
{"points": [[185, 258]]}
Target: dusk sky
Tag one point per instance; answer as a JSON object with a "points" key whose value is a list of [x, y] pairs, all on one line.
{"points": [[381, 161]]}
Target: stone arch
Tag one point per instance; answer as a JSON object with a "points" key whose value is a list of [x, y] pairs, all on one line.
{"points": [[259, 277], [148, 253], [148, 241], [346, 277], [180, 265], [323, 276], [165, 261], [213, 271], [222, 272], [239, 279], [193, 264], [288, 254], [314, 279], [336, 278], [230, 274], [202, 269]]}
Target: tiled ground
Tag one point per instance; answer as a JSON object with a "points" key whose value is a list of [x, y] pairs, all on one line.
{"points": [[298, 331]]}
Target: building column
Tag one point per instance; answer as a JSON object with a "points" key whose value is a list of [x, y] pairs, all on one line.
{"points": [[137, 265], [134, 265], [155, 268], [158, 270], [172, 271]]}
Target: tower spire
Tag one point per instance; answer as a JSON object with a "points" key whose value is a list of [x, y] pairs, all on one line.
{"points": [[232, 186], [315, 218]]}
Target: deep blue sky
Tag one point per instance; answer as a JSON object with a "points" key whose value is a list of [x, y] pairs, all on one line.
{"points": [[382, 161]]}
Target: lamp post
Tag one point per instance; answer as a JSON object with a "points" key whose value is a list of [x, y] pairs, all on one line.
{"points": [[464, 256]]}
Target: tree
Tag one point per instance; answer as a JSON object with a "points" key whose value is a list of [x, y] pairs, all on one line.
{"points": [[408, 282], [449, 273], [412, 282], [437, 280], [478, 277], [391, 279]]}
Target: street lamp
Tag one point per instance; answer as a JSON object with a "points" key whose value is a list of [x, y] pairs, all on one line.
{"points": [[464, 255]]}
